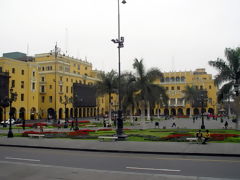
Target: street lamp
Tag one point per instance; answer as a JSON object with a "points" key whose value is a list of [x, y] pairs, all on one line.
{"points": [[66, 102], [13, 97], [120, 42], [203, 99]]}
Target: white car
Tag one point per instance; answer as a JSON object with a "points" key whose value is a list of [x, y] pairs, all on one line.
{"points": [[8, 121]]}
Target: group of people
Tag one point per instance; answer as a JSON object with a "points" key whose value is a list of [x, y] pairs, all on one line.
{"points": [[203, 137]]}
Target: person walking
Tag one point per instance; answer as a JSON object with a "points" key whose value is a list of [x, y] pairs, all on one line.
{"points": [[226, 125], [174, 123], [206, 137], [23, 124]]}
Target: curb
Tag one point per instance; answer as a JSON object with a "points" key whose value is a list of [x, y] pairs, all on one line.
{"points": [[124, 151]]}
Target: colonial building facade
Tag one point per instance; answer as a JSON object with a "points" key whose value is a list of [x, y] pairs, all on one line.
{"points": [[175, 84], [42, 83]]}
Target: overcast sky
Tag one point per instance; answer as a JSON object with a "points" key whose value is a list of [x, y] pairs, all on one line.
{"points": [[169, 34]]}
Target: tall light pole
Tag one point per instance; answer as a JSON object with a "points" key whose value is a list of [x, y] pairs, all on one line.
{"points": [[120, 42], [56, 52]]}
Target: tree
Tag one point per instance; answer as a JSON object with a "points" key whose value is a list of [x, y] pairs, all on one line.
{"points": [[228, 72], [190, 95], [147, 92], [107, 85]]}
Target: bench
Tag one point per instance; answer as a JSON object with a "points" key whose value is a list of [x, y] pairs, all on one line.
{"points": [[102, 138], [192, 139], [36, 135]]}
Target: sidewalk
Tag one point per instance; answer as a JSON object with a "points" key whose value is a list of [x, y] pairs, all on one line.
{"points": [[180, 148]]}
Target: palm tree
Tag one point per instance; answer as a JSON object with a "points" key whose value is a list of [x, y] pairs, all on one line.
{"points": [[147, 92], [228, 72], [128, 90], [190, 95], [107, 85]]}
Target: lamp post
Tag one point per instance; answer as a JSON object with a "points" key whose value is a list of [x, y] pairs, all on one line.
{"points": [[120, 42], [13, 97], [66, 102], [202, 101]]}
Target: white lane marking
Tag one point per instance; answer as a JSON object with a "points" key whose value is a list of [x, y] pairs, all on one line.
{"points": [[153, 169], [21, 159]]}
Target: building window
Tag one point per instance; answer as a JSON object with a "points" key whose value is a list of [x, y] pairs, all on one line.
{"points": [[167, 88], [78, 66], [67, 80], [85, 68], [71, 89], [22, 72], [13, 70], [61, 78], [66, 89], [13, 83], [43, 98], [50, 99], [42, 89], [201, 87], [50, 87], [178, 88], [210, 87], [43, 68], [33, 86], [33, 74], [60, 99], [60, 88], [172, 88], [22, 84], [42, 78], [22, 97]]}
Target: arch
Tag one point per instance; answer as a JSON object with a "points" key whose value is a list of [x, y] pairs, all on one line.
{"points": [[180, 112], [33, 113], [173, 112], [67, 113], [84, 112], [172, 79], [159, 111], [76, 112], [71, 113], [211, 110], [167, 79], [14, 112], [196, 111], [60, 113], [188, 111], [139, 112], [22, 113], [166, 112], [50, 112]]}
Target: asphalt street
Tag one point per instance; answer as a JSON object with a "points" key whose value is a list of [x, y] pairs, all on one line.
{"points": [[20, 162]]}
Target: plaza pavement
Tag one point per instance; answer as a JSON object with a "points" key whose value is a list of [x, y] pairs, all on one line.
{"points": [[180, 148]]}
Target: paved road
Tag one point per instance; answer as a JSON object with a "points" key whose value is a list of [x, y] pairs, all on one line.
{"points": [[26, 163]]}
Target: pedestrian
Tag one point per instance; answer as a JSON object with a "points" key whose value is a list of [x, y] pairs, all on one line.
{"points": [[174, 123], [226, 125], [104, 123], [206, 137], [193, 119], [58, 124], [199, 136]]}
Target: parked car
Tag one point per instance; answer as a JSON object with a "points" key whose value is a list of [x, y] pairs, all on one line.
{"points": [[8, 121]]}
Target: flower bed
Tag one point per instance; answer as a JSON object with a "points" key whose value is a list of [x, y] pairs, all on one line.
{"points": [[176, 137], [32, 125], [79, 121], [104, 129], [222, 137]]}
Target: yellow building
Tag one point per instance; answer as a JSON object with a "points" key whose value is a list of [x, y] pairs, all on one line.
{"points": [[24, 80], [33, 78], [175, 83]]}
